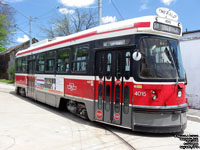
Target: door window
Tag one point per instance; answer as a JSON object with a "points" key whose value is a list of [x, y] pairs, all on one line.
{"points": [[100, 96], [117, 99], [127, 63], [108, 65], [107, 97], [126, 99], [118, 65]]}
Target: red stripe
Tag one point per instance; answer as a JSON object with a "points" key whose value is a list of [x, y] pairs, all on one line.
{"points": [[141, 24], [61, 42], [136, 25]]}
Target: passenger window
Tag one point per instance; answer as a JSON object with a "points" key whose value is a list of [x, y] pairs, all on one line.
{"points": [[80, 59], [50, 61], [63, 60], [19, 65], [30, 67], [40, 62], [24, 65]]}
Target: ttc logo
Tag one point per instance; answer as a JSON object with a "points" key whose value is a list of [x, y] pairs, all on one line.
{"points": [[71, 87]]}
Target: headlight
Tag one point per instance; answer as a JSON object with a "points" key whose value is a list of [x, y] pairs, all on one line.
{"points": [[179, 94], [154, 97]]}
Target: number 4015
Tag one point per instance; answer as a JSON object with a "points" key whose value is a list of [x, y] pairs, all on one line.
{"points": [[139, 93]]}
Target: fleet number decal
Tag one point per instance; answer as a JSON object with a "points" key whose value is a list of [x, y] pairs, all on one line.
{"points": [[139, 93]]}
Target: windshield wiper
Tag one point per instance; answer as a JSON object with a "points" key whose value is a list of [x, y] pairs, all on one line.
{"points": [[171, 58]]}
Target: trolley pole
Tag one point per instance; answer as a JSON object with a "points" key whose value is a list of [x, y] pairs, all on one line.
{"points": [[100, 11]]}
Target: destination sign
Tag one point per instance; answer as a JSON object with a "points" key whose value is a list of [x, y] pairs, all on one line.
{"points": [[167, 13]]}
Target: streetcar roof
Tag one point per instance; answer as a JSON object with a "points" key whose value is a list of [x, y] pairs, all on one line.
{"points": [[125, 27]]}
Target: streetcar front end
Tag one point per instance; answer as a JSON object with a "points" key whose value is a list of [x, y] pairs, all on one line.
{"points": [[159, 102]]}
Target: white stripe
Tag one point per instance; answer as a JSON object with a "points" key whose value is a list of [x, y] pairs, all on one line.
{"points": [[49, 92], [156, 83], [45, 75], [79, 77], [21, 74], [93, 78], [160, 107], [83, 40], [80, 98]]}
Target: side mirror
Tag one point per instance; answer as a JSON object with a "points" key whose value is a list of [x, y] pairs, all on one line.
{"points": [[186, 82], [137, 56]]}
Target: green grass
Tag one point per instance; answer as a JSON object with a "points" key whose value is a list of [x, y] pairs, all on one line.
{"points": [[6, 81]]}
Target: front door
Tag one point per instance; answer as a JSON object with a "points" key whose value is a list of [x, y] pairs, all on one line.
{"points": [[31, 79], [113, 86]]}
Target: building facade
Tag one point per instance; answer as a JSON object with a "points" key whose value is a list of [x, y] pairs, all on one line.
{"points": [[7, 58], [190, 49]]}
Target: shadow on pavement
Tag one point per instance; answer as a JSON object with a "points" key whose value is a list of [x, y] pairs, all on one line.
{"points": [[68, 115]]}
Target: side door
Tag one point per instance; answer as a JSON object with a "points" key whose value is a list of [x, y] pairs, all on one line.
{"points": [[127, 89], [100, 85], [104, 86], [112, 94], [31, 78]]}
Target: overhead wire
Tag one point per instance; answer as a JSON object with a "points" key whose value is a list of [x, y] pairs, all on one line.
{"points": [[36, 21], [44, 14], [122, 18]]}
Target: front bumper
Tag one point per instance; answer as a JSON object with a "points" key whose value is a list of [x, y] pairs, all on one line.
{"points": [[159, 120]]}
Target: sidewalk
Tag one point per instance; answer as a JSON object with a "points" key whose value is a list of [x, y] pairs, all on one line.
{"points": [[193, 114]]}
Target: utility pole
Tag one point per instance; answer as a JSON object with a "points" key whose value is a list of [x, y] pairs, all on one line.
{"points": [[30, 25], [100, 11]]}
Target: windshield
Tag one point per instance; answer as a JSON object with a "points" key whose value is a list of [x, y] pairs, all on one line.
{"points": [[161, 58]]}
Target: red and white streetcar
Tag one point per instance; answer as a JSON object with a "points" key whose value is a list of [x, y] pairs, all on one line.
{"points": [[127, 73]]}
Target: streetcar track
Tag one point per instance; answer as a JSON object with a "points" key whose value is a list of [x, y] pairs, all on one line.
{"points": [[119, 137]]}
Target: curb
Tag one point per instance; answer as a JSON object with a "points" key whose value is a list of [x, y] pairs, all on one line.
{"points": [[193, 118]]}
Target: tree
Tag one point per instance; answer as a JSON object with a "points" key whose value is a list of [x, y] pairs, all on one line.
{"points": [[12, 73], [2, 48], [67, 24], [6, 28]]}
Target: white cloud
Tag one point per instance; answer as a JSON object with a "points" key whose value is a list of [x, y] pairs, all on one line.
{"points": [[66, 11], [167, 2], [77, 3], [109, 19], [23, 39], [144, 6]]}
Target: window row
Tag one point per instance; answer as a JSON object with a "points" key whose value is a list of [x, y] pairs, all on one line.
{"points": [[56, 60]]}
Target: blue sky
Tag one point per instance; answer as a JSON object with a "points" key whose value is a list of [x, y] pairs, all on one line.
{"points": [[44, 10]]}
